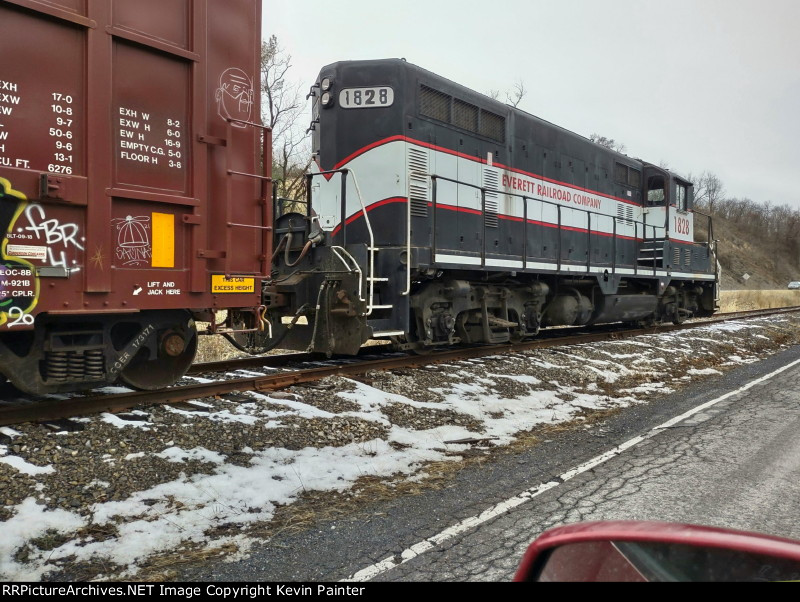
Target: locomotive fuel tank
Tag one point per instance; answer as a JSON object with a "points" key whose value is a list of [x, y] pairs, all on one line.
{"points": [[624, 308], [568, 310]]}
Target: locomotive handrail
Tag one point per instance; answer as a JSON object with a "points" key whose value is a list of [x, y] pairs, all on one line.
{"points": [[371, 277], [559, 207], [645, 226], [711, 243], [483, 225], [592, 226], [560, 256], [559, 260], [522, 196], [329, 172], [371, 274], [357, 269]]}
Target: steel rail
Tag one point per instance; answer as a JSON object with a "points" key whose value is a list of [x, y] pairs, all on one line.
{"points": [[50, 410], [278, 361]]}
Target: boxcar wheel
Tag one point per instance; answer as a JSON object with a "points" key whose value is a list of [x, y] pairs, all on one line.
{"points": [[176, 351]]}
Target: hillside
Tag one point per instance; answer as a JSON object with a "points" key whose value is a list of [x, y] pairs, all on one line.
{"points": [[770, 264]]}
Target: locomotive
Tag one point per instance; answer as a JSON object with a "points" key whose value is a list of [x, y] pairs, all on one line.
{"points": [[438, 216], [136, 199]]}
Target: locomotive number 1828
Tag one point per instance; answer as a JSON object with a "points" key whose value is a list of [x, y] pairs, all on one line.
{"points": [[366, 98]]}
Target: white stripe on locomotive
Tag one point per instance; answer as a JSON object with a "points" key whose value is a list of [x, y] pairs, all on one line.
{"points": [[382, 173]]}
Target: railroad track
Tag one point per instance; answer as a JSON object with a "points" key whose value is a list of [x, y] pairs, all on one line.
{"points": [[49, 410]]}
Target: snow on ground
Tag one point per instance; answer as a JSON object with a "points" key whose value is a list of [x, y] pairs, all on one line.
{"points": [[99, 503], [22, 466]]}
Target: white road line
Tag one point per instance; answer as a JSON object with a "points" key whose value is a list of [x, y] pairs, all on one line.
{"points": [[467, 524]]}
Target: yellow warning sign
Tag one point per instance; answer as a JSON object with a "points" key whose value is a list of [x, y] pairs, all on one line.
{"points": [[220, 285]]}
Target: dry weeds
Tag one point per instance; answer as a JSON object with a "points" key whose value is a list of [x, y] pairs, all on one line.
{"points": [[748, 300]]}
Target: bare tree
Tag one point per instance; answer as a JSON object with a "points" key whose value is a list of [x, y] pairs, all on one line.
{"points": [[709, 191], [609, 143], [283, 110], [514, 96]]}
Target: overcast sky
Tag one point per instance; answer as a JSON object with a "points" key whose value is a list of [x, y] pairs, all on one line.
{"points": [[698, 84]]}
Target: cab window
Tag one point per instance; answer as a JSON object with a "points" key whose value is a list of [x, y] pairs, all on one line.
{"points": [[681, 197], [655, 190]]}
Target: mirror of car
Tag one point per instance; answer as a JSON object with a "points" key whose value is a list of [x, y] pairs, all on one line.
{"points": [[657, 552]]}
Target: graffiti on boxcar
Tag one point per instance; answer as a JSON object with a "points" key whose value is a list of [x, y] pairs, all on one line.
{"points": [[62, 238], [235, 96], [19, 282], [133, 241]]}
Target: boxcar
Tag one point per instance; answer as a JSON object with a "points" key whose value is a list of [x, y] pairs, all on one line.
{"points": [[131, 196]]}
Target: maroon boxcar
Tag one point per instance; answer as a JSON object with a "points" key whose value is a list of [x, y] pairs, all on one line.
{"points": [[131, 196]]}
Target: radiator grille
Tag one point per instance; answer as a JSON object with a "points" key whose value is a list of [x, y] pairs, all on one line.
{"points": [[465, 116], [443, 107], [493, 126], [491, 180], [418, 190], [434, 104], [625, 214]]}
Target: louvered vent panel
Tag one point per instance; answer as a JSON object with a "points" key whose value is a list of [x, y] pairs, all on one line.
{"points": [[676, 257], [418, 190], [493, 126], [688, 260], [625, 214], [491, 181], [465, 115], [434, 104]]}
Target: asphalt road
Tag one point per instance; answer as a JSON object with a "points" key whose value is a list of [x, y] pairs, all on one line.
{"points": [[735, 464]]}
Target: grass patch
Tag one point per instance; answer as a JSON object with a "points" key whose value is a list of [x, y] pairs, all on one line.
{"points": [[747, 300]]}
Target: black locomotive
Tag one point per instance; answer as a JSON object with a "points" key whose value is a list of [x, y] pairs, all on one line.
{"points": [[438, 216]]}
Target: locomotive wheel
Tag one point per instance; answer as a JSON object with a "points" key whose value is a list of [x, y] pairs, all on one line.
{"points": [[420, 349], [646, 323], [176, 350], [679, 319]]}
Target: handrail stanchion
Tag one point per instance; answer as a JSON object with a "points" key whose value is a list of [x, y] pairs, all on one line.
{"points": [[589, 242]]}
